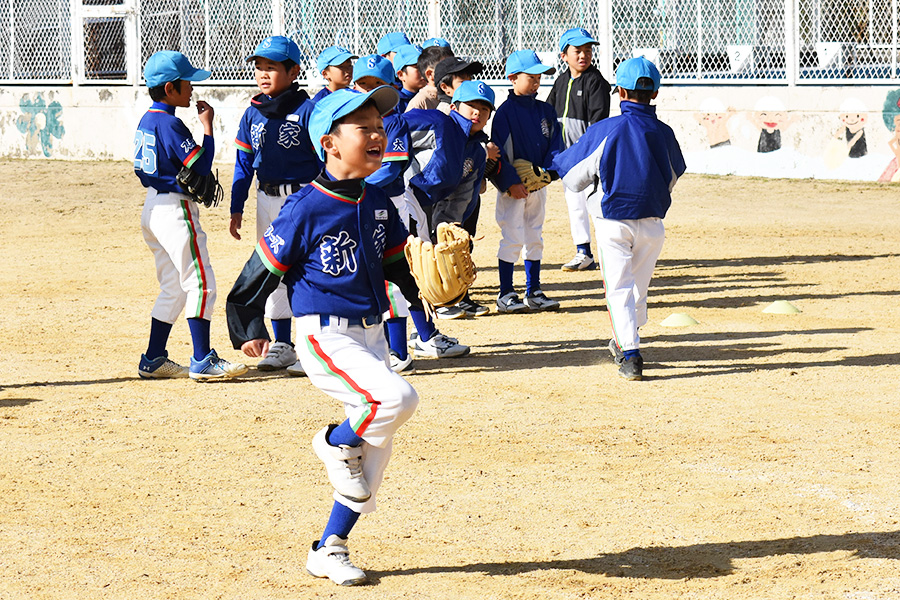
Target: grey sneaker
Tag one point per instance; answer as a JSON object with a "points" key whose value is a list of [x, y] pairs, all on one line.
{"points": [[281, 355], [510, 303], [450, 312], [343, 465], [632, 368], [617, 354], [581, 262], [440, 346], [472, 308], [332, 560], [296, 370], [537, 301]]}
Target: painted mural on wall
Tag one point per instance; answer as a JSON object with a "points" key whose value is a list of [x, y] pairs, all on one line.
{"points": [[40, 122], [759, 141]]}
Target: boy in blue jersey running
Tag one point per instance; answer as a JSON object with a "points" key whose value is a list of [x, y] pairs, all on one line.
{"points": [[273, 143], [170, 221], [335, 242], [628, 166]]}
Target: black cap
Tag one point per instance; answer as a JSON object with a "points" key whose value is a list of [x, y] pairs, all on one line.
{"points": [[455, 64]]}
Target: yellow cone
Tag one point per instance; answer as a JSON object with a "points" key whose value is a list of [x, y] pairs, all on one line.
{"points": [[678, 320], [781, 307]]}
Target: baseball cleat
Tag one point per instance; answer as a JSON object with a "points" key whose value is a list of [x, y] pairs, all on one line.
{"points": [[343, 465], [296, 370], [472, 308], [450, 312], [440, 346], [632, 368], [213, 367], [160, 368], [617, 354], [400, 365], [581, 262], [510, 303], [537, 301], [332, 560], [281, 355]]}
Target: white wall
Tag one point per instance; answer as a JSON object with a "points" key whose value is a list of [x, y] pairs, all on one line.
{"points": [[95, 122]]}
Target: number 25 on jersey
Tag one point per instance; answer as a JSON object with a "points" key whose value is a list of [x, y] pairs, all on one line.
{"points": [[145, 152]]}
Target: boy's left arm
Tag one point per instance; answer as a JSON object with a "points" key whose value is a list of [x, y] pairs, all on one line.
{"points": [[556, 140], [598, 99], [676, 160], [245, 307]]}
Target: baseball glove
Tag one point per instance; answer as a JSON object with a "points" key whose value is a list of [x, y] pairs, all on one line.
{"points": [[443, 271], [203, 189], [533, 177]]}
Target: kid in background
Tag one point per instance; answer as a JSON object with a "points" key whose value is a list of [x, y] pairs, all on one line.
{"points": [[407, 70], [629, 165], [427, 97], [335, 64], [524, 128], [580, 96], [273, 143]]}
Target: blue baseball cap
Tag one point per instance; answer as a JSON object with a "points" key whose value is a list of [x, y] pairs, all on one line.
{"points": [[277, 48], [628, 73], [575, 37], [332, 57], [474, 90], [527, 61], [374, 65], [406, 55], [389, 42], [343, 102], [168, 65], [436, 41]]}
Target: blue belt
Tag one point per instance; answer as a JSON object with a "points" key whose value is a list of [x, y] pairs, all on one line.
{"points": [[365, 322]]}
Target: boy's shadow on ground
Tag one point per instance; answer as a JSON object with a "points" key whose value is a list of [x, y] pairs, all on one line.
{"points": [[680, 562]]}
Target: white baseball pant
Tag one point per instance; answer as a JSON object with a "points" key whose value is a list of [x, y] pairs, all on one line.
{"points": [[412, 209], [399, 307], [579, 218], [351, 363], [267, 208], [628, 253], [170, 223], [521, 223]]}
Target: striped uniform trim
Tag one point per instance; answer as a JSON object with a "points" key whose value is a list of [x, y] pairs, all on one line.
{"points": [[337, 196], [191, 158], [243, 146], [157, 110], [392, 302], [394, 156], [394, 254], [268, 259], [199, 267], [370, 404]]}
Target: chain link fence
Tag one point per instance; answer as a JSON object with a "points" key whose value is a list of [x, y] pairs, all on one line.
{"points": [[739, 41]]}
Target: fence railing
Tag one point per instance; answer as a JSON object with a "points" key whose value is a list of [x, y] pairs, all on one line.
{"points": [[787, 42]]}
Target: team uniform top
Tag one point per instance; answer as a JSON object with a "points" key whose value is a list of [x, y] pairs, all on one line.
{"points": [[579, 102], [524, 127], [405, 97], [628, 164], [440, 149], [273, 141], [163, 144], [320, 94], [390, 176], [334, 243]]}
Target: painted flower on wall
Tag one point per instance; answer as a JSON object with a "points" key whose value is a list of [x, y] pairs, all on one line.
{"points": [[40, 122]]}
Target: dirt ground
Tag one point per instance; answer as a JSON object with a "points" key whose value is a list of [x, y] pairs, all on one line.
{"points": [[757, 460]]}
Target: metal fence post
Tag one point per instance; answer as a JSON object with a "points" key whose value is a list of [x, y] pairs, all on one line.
{"points": [[604, 36], [277, 17], [791, 45], [434, 18]]}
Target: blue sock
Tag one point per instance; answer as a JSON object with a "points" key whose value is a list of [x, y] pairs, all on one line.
{"points": [[159, 337], [343, 435], [396, 334], [532, 276], [424, 326], [631, 353], [282, 330], [505, 272], [585, 248], [200, 337], [340, 522]]}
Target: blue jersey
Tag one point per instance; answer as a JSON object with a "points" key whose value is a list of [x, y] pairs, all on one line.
{"points": [[628, 164], [273, 142], [320, 94], [438, 153], [524, 127], [405, 97], [163, 145], [390, 176], [330, 249]]}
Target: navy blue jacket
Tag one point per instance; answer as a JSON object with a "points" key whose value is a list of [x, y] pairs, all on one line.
{"points": [[524, 127]]}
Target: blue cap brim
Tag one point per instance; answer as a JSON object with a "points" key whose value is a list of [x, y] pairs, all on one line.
{"points": [[197, 75], [385, 98], [538, 70], [579, 41]]}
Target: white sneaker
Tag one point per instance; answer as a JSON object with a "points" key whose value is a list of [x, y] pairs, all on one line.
{"points": [[450, 312], [281, 355], [581, 262], [213, 367], [296, 370], [332, 560], [398, 365], [440, 346], [343, 465], [510, 303]]}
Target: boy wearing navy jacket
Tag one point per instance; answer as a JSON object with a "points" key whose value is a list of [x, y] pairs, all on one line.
{"points": [[527, 128], [334, 243], [273, 143], [628, 165]]}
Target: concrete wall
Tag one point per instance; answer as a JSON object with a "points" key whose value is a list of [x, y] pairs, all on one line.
{"points": [[826, 132]]}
